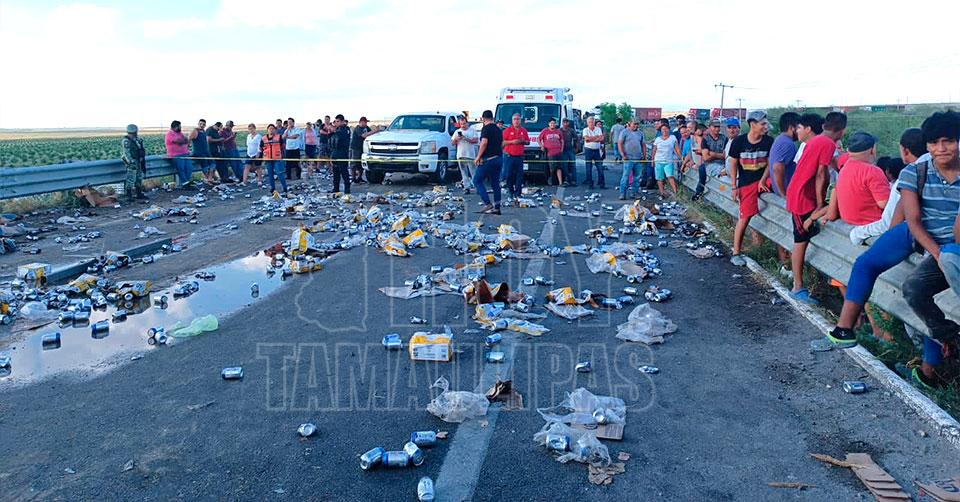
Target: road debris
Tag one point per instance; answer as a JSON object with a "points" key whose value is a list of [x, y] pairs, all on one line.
{"points": [[790, 484], [456, 406], [645, 324], [945, 490], [200, 406]]}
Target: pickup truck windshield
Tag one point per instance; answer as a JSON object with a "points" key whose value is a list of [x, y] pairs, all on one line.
{"points": [[434, 123], [535, 115]]}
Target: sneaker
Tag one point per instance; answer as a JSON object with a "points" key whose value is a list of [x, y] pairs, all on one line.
{"points": [[786, 274], [842, 338], [623, 196], [484, 209], [738, 260], [921, 381], [802, 295]]}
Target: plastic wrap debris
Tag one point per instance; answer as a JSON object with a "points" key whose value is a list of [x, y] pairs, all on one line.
{"points": [[148, 231], [572, 444], [580, 406], [150, 213], [570, 312], [607, 262], [563, 296], [456, 406], [702, 253], [645, 325], [196, 327], [526, 327], [72, 220], [37, 311], [94, 197]]}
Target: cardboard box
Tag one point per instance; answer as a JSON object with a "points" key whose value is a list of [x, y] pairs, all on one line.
{"points": [[426, 346], [34, 272]]}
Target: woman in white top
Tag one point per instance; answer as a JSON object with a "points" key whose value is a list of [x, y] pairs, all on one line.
{"points": [[253, 156]]}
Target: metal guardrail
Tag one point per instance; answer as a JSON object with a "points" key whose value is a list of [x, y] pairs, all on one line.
{"points": [[24, 181], [831, 252]]}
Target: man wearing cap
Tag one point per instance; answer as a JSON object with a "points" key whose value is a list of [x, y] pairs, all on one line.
{"points": [[749, 157], [712, 151], [360, 133], [733, 130], [862, 191], [134, 157], [340, 151]]}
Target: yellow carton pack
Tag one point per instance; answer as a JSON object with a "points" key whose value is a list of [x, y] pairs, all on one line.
{"points": [[425, 346], [34, 272]]}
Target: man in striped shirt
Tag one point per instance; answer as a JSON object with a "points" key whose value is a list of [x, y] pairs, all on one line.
{"points": [[933, 216]]}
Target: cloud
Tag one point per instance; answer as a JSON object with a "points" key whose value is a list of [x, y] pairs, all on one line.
{"points": [[170, 28], [307, 14]]}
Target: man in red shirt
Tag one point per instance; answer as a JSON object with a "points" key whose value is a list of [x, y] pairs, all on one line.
{"points": [[178, 147], [551, 142], [515, 138], [807, 193], [862, 188]]}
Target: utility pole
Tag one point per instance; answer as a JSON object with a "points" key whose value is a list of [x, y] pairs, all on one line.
{"points": [[723, 87], [739, 108]]}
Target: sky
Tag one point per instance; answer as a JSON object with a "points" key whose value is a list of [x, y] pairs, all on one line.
{"points": [[109, 63]]}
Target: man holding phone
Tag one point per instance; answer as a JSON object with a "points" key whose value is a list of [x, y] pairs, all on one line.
{"points": [[466, 139]]}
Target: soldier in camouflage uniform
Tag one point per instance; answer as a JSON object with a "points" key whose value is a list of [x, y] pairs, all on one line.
{"points": [[133, 156]]}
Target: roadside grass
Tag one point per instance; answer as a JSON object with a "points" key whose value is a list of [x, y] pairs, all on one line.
{"points": [[902, 351]]}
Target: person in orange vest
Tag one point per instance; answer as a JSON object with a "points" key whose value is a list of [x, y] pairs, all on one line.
{"points": [[272, 147]]}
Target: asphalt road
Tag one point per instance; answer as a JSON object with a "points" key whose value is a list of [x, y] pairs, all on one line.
{"points": [[739, 401]]}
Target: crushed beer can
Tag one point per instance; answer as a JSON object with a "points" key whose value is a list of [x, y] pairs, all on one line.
{"points": [[557, 442], [528, 281], [5, 360], [417, 320], [630, 290], [395, 459], [425, 490], [657, 294], [423, 438], [119, 316], [306, 430], [634, 279], [5, 319], [854, 387], [495, 357], [436, 269], [392, 341], [583, 367], [611, 303], [625, 299], [50, 341], [650, 370], [160, 301], [414, 452], [232, 373], [372, 458], [600, 416], [542, 281], [147, 259]]}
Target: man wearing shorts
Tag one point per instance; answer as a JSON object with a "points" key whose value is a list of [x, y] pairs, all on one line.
{"points": [[666, 154], [712, 148], [807, 192], [749, 157]]}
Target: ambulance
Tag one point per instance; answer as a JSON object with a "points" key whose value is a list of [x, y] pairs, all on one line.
{"points": [[536, 106]]}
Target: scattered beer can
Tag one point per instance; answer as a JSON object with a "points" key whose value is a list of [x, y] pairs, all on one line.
{"points": [[417, 320], [493, 339], [371, 458], [100, 329], [5, 319], [119, 316], [558, 442], [500, 324], [630, 290], [254, 289], [650, 370], [436, 269], [584, 367], [425, 491], [160, 301], [5, 360], [625, 299], [423, 438], [392, 341], [306, 430], [854, 387], [147, 259], [495, 357], [395, 459], [634, 279], [414, 452], [232, 373], [600, 416], [528, 281], [50, 341]]}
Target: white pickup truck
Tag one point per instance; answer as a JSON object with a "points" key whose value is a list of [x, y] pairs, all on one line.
{"points": [[413, 143]]}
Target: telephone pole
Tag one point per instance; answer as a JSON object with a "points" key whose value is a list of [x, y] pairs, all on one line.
{"points": [[739, 108], [723, 87]]}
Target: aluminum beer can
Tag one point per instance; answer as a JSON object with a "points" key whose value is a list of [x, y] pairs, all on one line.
{"points": [[414, 452], [100, 329], [854, 387], [371, 458], [4, 360], [423, 438], [436, 269], [395, 459], [558, 442], [306, 430], [5, 319], [584, 367], [495, 356], [599, 416], [425, 492], [50, 341], [392, 341], [233, 373], [493, 339]]}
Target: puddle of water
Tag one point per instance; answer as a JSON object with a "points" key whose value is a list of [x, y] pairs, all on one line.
{"points": [[80, 350]]}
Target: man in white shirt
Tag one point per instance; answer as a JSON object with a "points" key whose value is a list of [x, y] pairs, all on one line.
{"points": [[254, 156], [293, 143], [615, 133], [466, 139], [592, 141]]}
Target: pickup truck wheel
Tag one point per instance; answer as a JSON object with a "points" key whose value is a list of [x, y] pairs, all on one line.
{"points": [[440, 176], [375, 176]]}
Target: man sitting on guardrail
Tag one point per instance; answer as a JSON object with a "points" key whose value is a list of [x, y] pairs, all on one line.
{"points": [[749, 156], [931, 208], [712, 151], [807, 193]]}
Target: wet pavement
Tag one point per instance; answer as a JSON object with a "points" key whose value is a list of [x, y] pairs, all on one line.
{"points": [[85, 353]]}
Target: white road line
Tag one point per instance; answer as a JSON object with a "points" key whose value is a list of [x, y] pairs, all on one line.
{"points": [[460, 470]]}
